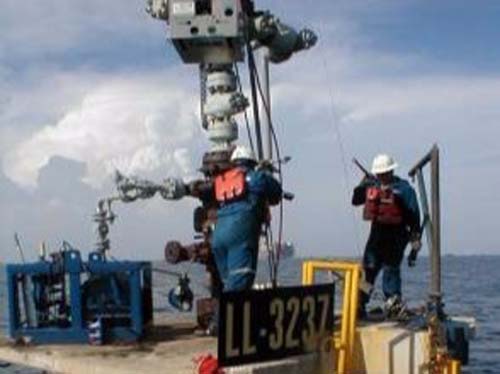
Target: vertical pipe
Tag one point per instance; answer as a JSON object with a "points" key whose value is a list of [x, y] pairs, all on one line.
{"points": [[436, 223], [255, 101], [266, 103], [203, 95]]}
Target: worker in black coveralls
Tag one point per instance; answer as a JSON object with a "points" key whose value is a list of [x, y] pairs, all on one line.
{"points": [[391, 205]]}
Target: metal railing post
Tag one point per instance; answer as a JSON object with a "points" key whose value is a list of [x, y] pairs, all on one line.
{"points": [[433, 228], [436, 231]]}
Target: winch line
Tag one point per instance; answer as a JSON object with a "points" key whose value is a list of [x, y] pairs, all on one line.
{"points": [[273, 257], [338, 133], [253, 78], [280, 174], [258, 134], [251, 62], [280, 171]]}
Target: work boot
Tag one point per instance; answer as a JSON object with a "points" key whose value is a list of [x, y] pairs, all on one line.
{"points": [[395, 308], [213, 329]]}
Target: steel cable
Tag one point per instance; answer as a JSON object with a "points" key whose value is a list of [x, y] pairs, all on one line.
{"points": [[277, 255]]}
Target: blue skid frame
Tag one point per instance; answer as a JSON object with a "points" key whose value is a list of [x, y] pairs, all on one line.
{"points": [[116, 294]]}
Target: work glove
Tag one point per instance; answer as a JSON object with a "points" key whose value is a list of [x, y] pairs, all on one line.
{"points": [[412, 258], [416, 245]]}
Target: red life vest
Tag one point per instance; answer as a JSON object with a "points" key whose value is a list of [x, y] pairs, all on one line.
{"points": [[230, 185], [381, 207]]}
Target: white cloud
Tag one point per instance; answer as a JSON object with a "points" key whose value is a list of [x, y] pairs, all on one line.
{"points": [[366, 85], [135, 123], [146, 122]]}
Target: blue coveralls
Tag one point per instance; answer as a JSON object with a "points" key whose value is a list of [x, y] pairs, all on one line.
{"points": [[386, 243], [235, 241]]}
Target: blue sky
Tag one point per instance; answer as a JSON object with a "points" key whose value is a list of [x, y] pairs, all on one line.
{"points": [[454, 32], [89, 86]]}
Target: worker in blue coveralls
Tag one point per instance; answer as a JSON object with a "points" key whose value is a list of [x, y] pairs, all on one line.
{"points": [[391, 205], [244, 195]]}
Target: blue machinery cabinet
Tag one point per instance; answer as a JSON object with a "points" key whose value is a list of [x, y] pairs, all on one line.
{"points": [[66, 300]]}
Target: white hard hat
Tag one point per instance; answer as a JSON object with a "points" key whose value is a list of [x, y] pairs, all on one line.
{"points": [[383, 164], [242, 153]]}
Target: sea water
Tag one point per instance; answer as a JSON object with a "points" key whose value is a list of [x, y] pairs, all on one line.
{"points": [[471, 286]]}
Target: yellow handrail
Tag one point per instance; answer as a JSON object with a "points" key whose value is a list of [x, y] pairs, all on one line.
{"points": [[345, 345], [453, 367]]}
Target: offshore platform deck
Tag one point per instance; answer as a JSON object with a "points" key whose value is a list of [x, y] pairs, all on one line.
{"points": [[382, 348], [171, 345]]}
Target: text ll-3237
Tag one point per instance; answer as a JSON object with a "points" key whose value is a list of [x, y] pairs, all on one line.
{"points": [[257, 326]]}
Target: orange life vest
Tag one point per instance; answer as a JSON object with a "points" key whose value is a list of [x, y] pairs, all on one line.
{"points": [[231, 185], [381, 207]]}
